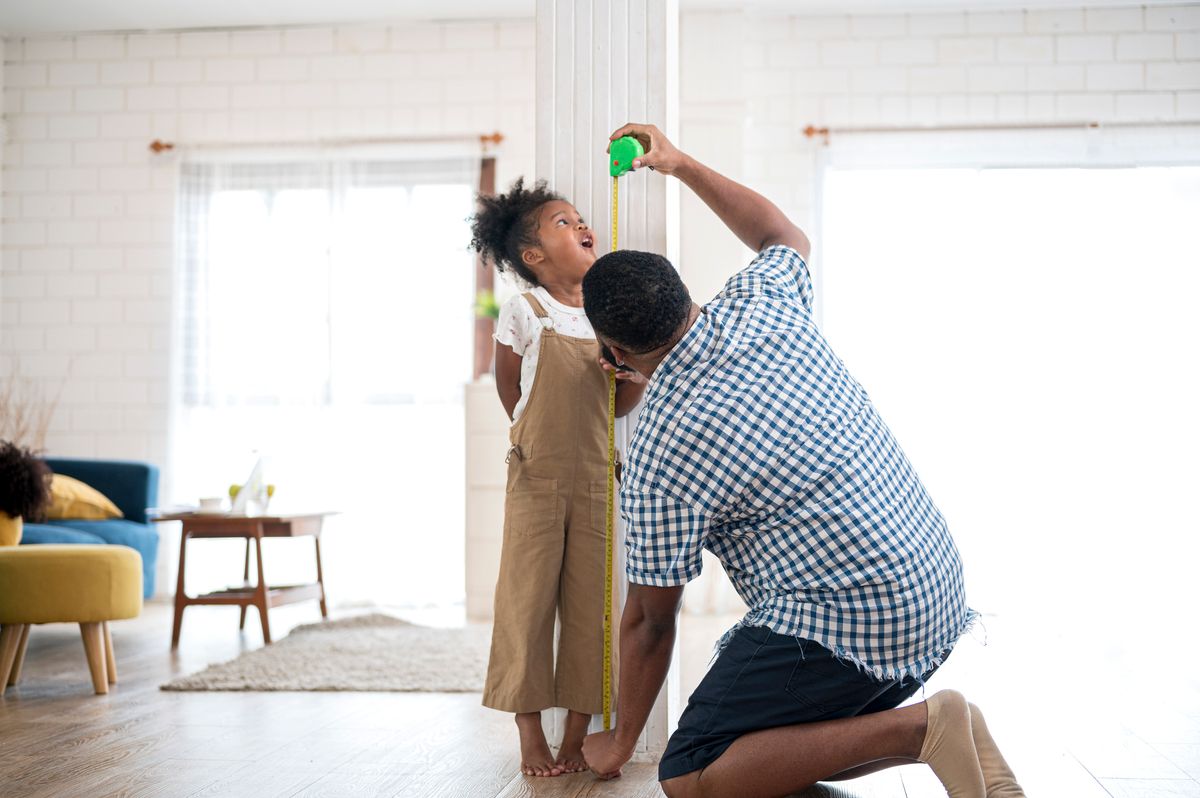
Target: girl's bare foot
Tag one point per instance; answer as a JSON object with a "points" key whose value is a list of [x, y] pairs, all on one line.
{"points": [[570, 753], [571, 759], [536, 759]]}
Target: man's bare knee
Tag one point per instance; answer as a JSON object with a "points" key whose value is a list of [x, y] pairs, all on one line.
{"points": [[685, 786]]}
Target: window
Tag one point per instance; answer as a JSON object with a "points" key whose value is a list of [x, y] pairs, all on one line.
{"points": [[327, 325], [1031, 337], [296, 274]]}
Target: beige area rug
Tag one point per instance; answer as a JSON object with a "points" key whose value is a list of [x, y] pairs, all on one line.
{"points": [[369, 653]]}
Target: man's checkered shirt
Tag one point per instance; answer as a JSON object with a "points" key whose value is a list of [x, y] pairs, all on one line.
{"points": [[756, 444]]}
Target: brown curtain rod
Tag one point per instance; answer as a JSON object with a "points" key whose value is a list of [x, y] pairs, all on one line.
{"points": [[812, 131], [485, 140]]}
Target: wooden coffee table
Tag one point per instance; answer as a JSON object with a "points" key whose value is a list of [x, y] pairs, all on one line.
{"points": [[259, 594]]}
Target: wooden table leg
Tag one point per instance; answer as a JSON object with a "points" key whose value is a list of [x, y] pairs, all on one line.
{"points": [[14, 673], [110, 659], [260, 595], [180, 596], [10, 641], [321, 578], [245, 581], [93, 646]]}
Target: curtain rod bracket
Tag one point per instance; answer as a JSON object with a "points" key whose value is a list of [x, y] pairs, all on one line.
{"points": [[494, 138], [812, 131]]}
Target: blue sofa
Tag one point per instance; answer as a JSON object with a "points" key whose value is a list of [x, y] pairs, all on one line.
{"points": [[133, 487]]}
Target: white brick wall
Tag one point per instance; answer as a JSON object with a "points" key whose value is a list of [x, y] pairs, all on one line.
{"points": [[86, 240], [86, 234], [1127, 64]]}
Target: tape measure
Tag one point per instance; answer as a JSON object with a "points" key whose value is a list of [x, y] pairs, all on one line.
{"points": [[608, 543], [610, 493], [621, 154]]}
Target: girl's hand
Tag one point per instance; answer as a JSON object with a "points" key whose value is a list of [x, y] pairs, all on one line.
{"points": [[661, 155], [622, 375]]}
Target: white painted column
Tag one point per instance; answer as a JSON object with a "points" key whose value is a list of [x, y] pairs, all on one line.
{"points": [[600, 64]]}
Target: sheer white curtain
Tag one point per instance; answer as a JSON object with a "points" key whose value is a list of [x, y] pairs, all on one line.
{"points": [[326, 325]]}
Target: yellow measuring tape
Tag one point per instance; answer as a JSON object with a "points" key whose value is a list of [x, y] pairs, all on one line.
{"points": [[608, 512]]}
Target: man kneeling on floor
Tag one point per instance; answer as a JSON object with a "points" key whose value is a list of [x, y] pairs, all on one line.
{"points": [[756, 444]]}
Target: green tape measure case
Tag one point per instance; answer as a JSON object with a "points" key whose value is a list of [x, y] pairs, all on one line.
{"points": [[621, 154]]}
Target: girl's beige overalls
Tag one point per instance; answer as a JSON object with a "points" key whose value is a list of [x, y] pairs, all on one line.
{"points": [[553, 552]]}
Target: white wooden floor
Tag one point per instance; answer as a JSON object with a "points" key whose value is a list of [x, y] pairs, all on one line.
{"points": [[1078, 717]]}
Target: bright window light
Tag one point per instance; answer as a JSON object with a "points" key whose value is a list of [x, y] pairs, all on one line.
{"points": [[1031, 336], [329, 327]]}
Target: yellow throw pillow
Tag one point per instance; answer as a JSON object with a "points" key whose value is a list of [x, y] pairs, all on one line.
{"points": [[10, 529], [70, 498]]}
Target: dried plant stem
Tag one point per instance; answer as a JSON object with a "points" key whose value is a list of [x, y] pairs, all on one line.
{"points": [[26, 411]]}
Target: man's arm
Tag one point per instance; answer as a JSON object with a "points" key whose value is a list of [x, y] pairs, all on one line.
{"points": [[753, 218], [629, 393], [647, 638]]}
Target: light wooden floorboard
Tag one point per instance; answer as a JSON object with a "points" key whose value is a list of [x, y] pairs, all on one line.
{"points": [[1148, 788], [1103, 732]]}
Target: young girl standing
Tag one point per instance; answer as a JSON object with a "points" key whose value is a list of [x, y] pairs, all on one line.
{"points": [[553, 384]]}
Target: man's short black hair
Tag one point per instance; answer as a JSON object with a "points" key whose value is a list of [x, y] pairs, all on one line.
{"points": [[635, 299]]}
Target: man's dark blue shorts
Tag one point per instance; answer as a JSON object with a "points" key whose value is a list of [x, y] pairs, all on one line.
{"points": [[763, 680]]}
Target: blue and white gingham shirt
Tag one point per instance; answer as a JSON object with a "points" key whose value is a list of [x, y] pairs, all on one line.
{"points": [[756, 444]]}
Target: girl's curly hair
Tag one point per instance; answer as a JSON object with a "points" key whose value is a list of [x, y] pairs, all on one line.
{"points": [[506, 225], [24, 482]]}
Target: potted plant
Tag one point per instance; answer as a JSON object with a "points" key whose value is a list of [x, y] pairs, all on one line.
{"points": [[24, 490], [487, 311], [486, 306]]}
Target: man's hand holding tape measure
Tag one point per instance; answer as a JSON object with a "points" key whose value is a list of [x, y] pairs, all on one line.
{"points": [[660, 154]]}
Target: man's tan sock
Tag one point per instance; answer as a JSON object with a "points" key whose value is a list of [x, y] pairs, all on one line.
{"points": [[997, 775], [949, 748]]}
